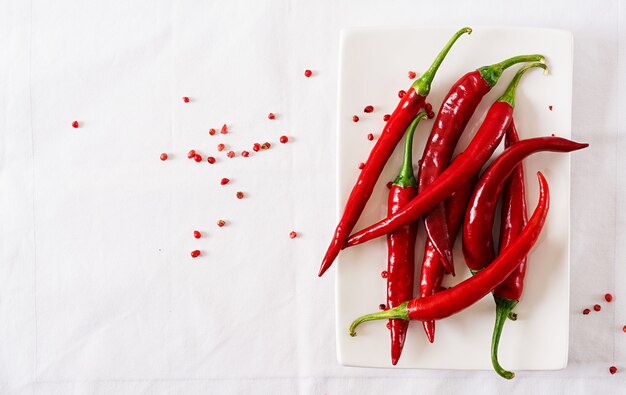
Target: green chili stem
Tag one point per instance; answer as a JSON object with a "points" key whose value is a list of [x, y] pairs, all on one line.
{"points": [[422, 84], [397, 313], [492, 73], [509, 94], [503, 309], [406, 178]]}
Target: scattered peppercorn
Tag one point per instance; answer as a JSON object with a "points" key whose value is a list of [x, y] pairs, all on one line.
{"points": [[185, 99], [256, 147], [370, 136], [389, 184], [430, 115], [386, 117], [212, 132], [195, 253], [384, 274], [624, 328], [271, 116], [368, 109], [608, 297], [597, 307], [401, 93], [355, 118], [382, 306], [220, 147], [428, 107], [550, 108], [210, 159], [221, 223], [75, 124], [266, 145], [612, 370], [308, 73], [245, 154], [191, 154], [224, 181], [197, 234], [239, 195], [284, 139], [586, 311], [412, 74], [388, 325], [292, 234], [197, 158], [224, 129], [163, 156], [231, 154], [361, 166]]}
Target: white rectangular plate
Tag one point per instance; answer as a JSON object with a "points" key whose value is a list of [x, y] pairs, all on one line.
{"points": [[374, 66]]}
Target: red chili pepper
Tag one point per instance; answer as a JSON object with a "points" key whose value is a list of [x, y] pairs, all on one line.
{"points": [[513, 219], [468, 292], [433, 270], [163, 156], [478, 248], [467, 164], [392, 133], [401, 244], [456, 110]]}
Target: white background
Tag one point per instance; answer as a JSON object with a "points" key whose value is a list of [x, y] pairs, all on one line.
{"points": [[98, 293]]}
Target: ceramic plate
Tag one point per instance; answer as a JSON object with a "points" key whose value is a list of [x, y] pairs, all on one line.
{"points": [[374, 66]]}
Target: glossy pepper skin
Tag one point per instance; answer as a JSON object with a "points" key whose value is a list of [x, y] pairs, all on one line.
{"points": [[466, 165], [405, 112], [478, 248], [455, 112], [401, 244], [513, 219], [432, 271], [468, 292]]}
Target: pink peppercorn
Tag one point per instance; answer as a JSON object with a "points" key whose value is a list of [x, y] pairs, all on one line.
{"points": [[220, 147], [612, 370], [389, 185], [412, 74], [271, 116], [239, 195], [361, 166], [386, 117], [231, 154], [384, 274], [266, 145], [293, 234], [224, 181], [428, 107], [382, 306], [430, 115], [245, 154], [308, 73], [550, 108], [370, 136], [586, 311], [368, 109], [624, 328], [608, 297], [283, 139], [195, 253], [256, 147], [191, 154], [210, 159], [221, 223], [75, 124], [224, 129], [597, 307], [197, 158], [355, 118], [163, 156], [185, 99], [197, 234], [212, 132], [401, 94]]}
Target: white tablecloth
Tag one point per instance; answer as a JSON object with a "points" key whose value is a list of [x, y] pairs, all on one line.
{"points": [[98, 294]]}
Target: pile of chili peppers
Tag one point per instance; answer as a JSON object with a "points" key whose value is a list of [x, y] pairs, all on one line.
{"points": [[450, 195]]}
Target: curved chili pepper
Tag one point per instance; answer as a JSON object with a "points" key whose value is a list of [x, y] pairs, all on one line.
{"points": [[468, 292], [478, 247], [514, 218], [433, 271], [401, 244], [455, 112], [466, 165], [394, 129]]}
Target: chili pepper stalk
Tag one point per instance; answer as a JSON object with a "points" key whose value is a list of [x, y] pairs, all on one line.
{"points": [[468, 292], [467, 164], [401, 244], [456, 110], [405, 112]]}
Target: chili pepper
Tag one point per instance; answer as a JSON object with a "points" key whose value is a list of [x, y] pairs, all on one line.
{"points": [[394, 129], [478, 248], [513, 219], [433, 270], [455, 112], [466, 165], [468, 292], [401, 244]]}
